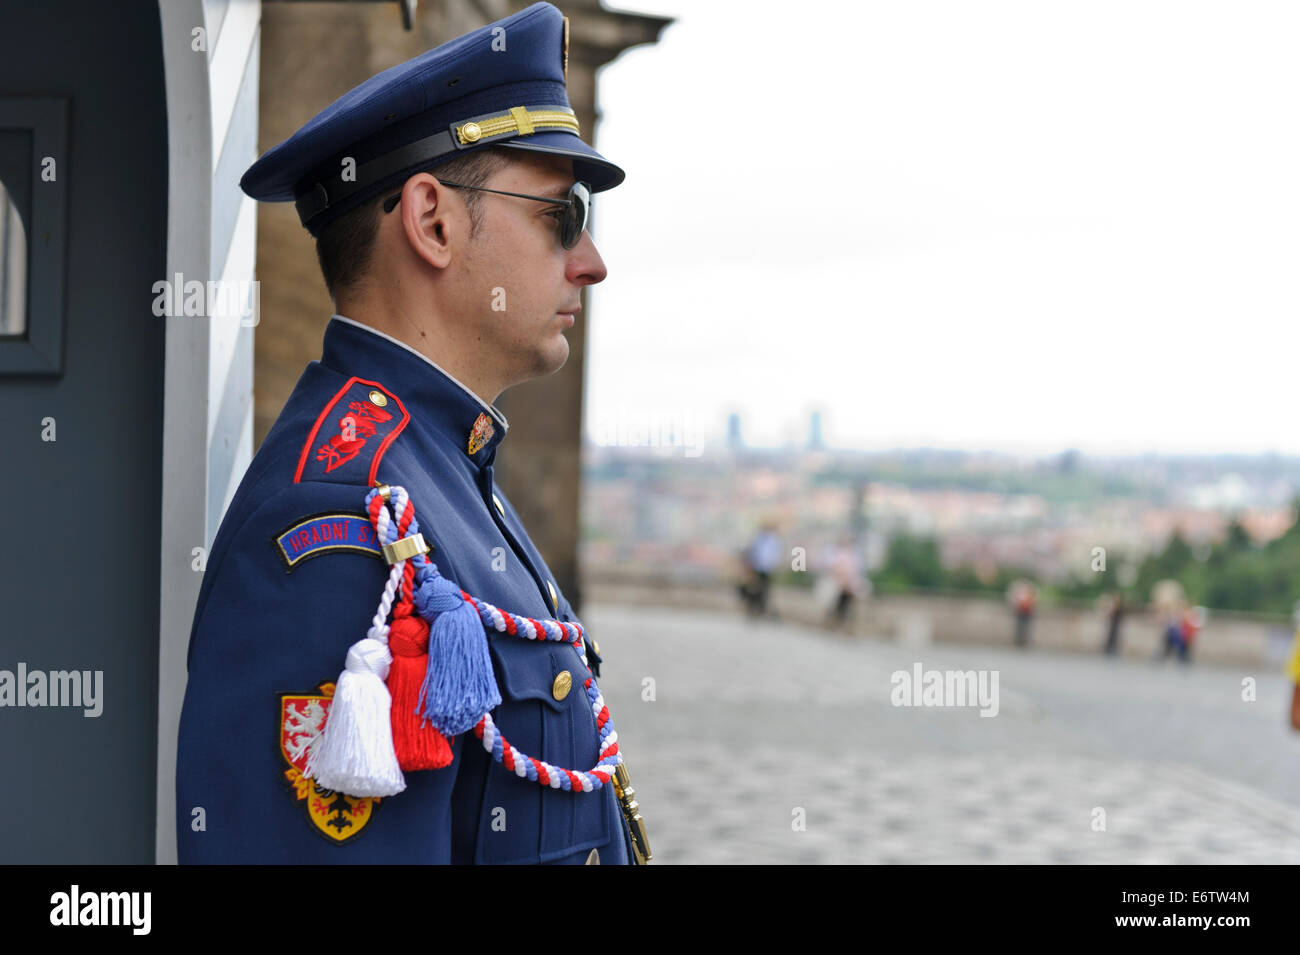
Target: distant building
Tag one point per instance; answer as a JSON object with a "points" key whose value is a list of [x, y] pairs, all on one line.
{"points": [[734, 441], [815, 440]]}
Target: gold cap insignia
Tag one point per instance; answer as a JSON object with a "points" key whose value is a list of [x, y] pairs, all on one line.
{"points": [[481, 434]]}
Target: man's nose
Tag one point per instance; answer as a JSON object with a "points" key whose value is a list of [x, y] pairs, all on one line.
{"points": [[585, 266]]}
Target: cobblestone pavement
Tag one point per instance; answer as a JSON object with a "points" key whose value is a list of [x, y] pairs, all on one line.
{"points": [[749, 725]]}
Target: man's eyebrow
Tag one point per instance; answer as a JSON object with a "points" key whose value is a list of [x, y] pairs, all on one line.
{"points": [[555, 192]]}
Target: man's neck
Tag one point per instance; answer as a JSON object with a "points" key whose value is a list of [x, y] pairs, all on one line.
{"points": [[418, 333]]}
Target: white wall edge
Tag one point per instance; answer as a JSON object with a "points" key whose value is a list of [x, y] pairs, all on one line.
{"points": [[228, 63], [185, 390]]}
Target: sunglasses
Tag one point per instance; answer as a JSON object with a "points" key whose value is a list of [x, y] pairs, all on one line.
{"points": [[577, 206]]}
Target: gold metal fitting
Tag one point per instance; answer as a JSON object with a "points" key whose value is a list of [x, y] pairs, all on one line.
{"points": [[405, 549], [471, 132], [563, 682], [632, 813], [564, 51], [384, 491]]}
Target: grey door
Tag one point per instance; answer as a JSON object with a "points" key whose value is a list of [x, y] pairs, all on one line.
{"points": [[81, 386]]}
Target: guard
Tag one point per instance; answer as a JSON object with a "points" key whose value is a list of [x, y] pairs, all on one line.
{"points": [[381, 667]]}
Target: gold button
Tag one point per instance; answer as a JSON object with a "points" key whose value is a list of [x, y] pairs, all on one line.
{"points": [[471, 132], [378, 398], [560, 688], [497, 501], [595, 646], [555, 602]]}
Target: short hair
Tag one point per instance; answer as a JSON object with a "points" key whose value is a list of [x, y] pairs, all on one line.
{"points": [[344, 246]]}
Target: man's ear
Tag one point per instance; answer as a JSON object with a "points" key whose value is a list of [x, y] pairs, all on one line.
{"points": [[432, 219]]}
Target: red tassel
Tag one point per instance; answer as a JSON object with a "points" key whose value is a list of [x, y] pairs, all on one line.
{"points": [[418, 744]]}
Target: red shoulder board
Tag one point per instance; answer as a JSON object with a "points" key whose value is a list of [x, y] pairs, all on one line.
{"points": [[351, 434]]}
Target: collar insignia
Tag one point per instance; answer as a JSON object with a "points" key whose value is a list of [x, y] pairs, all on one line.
{"points": [[481, 434]]}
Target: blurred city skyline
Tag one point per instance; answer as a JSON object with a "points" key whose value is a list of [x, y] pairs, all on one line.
{"points": [[671, 518]]}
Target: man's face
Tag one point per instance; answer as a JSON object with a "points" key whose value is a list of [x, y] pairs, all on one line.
{"points": [[519, 287]]}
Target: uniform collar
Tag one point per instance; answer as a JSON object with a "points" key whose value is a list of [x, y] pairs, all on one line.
{"points": [[431, 395]]}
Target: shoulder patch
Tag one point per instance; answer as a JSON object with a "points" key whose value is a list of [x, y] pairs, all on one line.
{"points": [[351, 434], [321, 533], [336, 816]]}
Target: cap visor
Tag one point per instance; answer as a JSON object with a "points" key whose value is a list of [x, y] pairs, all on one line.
{"points": [[589, 166]]}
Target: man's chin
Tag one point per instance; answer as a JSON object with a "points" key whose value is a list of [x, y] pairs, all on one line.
{"points": [[553, 358], [564, 355]]}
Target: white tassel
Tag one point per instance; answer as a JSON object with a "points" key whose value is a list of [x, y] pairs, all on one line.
{"points": [[354, 753]]}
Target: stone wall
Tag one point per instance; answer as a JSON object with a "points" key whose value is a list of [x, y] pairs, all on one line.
{"points": [[1228, 638], [313, 53]]}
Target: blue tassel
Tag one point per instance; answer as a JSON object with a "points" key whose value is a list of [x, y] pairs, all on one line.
{"points": [[459, 686]]}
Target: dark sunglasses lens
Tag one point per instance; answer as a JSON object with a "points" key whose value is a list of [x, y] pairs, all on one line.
{"points": [[575, 222]]}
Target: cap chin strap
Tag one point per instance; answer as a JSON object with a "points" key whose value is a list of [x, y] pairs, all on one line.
{"points": [[463, 134], [519, 120]]}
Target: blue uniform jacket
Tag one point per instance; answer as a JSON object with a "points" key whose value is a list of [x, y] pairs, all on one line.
{"points": [[293, 580]]}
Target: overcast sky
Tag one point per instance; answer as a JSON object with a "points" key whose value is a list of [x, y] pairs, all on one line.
{"points": [[1019, 226]]}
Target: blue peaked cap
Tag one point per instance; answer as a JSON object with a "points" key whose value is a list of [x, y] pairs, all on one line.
{"points": [[500, 85]]}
